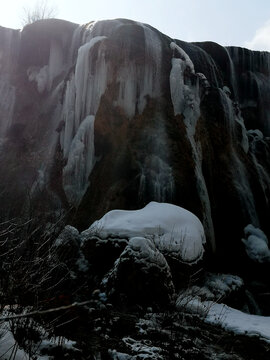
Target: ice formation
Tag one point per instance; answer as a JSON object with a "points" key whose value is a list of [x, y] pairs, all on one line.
{"points": [[84, 89], [83, 92], [156, 179], [81, 160], [175, 231], [186, 101], [98, 66]]}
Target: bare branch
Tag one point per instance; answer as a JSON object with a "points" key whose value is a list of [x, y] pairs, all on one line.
{"points": [[41, 10], [43, 312]]}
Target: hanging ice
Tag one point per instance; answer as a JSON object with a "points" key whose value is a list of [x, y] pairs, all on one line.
{"points": [[81, 160], [82, 97], [186, 101]]}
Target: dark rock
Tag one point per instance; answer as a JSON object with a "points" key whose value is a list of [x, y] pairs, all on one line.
{"points": [[67, 244], [141, 274]]}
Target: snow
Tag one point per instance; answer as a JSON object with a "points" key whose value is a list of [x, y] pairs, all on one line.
{"points": [[68, 234], [256, 244], [197, 299], [175, 230], [143, 349], [144, 251], [238, 322], [222, 285], [9, 348]]}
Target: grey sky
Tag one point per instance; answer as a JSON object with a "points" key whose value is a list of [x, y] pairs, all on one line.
{"points": [[228, 22]]}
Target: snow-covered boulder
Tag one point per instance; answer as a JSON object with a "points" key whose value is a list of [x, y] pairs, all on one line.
{"points": [[175, 231], [256, 244], [142, 274]]}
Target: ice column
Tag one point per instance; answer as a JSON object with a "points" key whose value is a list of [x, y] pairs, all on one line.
{"points": [[186, 101]]}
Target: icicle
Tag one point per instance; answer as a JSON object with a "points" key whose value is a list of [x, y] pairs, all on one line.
{"points": [[84, 82]]}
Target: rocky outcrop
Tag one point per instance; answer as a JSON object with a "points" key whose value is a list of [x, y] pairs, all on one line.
{"points": [[114, 114]]}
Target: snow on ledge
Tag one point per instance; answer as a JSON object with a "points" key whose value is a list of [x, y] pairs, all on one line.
{"points": [[238, 322], [174, 230]]}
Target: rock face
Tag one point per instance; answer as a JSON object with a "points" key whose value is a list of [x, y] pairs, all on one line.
{"points": [[114, 114]]}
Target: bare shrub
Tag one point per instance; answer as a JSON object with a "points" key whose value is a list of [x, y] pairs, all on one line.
{"points": [[41, 10]]}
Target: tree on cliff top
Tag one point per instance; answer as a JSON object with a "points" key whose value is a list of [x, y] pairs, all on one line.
{"points": [[41, 10]]}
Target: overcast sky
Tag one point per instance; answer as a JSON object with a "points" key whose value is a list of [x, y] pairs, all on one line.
{"points": [[228, 22]]}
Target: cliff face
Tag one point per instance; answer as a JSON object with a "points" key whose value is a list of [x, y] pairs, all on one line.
{"points": [[114, 114]]}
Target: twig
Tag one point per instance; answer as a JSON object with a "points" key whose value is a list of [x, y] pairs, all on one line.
{"points": [[43, 312]]}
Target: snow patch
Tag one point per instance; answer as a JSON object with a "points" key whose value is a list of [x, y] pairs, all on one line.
{"points": [[9, 348], [216, 287], [238, 322]]}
